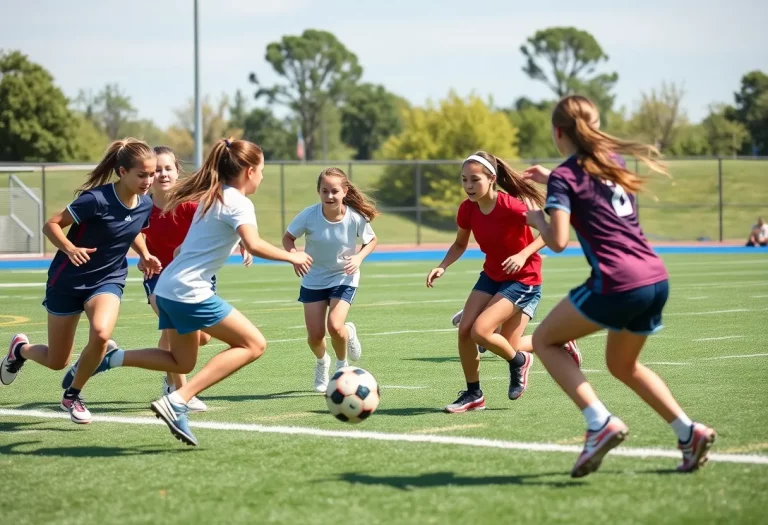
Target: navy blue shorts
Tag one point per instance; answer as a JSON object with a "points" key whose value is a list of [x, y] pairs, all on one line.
{"points": [[637, 311], [149, 285], [524, 296], [342, 292], [71, 302], [189, 317]]}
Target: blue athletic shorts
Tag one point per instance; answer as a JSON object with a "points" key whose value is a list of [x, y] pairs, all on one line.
{"points": [[343, 292], [189, 317], [71, 302], [637, 311], [149, 285], [524, 296]]}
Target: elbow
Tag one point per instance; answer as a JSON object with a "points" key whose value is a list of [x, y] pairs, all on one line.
{"points": [[559, 245]]}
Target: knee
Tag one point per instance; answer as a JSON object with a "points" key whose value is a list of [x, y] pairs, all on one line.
{"points": [[481, 334], [58, 364], [315, 337], [621, 370], [336, 329], [256, 347], [99, 335], [465, 331]]}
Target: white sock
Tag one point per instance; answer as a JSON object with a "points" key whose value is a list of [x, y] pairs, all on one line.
{"points": [[176, 398], [682, 427], [116, 359], [341, 364], [324, 359], [596, 415]]}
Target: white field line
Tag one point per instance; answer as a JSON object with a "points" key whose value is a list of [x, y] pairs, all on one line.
{"points": [[722, 338], [750, 459], [670, 363], [404, 387], [742, 356]]}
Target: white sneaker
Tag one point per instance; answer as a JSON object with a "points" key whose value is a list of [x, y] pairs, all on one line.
{"points": [[341, 364], [193, 405], [78, 412], [321, 375], [354, 348], [456, 319]]}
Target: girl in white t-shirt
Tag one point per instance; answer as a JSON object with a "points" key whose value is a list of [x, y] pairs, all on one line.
{"points": [[332, 228], [185, 301]]}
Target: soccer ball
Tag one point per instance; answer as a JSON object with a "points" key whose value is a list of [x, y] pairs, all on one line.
{"points": [[352, 394]]}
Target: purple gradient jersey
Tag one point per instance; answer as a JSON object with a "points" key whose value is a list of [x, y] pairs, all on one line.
{"points": [[604, 217]]}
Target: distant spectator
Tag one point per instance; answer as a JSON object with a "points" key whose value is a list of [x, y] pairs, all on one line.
{"points": [[758, 236]]}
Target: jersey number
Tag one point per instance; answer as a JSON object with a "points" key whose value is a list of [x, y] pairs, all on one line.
{"points": [[620, 201]]}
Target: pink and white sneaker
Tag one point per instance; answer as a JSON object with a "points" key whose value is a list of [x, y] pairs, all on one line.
{"points": [[78, 412], [696, 450], [10, 366], [597, 444], [572, 349]]}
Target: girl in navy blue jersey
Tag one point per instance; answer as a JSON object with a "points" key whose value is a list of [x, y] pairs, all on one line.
{"points": [[626, 293], [89, 269]]}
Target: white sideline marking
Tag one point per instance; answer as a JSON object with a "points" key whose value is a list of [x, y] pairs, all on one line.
{"points": [[672, 363], [723, 338], [750, 459], [697, 298], [734, 356], [759, 296], [404, 387]]}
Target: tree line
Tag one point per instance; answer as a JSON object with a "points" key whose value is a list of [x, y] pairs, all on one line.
{"points": [[340, 117]]}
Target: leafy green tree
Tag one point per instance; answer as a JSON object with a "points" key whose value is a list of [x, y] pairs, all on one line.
{"points": [[276, 137], [370, 115], [724, 135], [318, 70], [565, 59], [752, 108], [534, 129], [660, 116], [36, 123], [452, 129]]}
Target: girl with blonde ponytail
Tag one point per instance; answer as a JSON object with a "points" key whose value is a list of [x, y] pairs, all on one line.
{"points": [[593, 191]]}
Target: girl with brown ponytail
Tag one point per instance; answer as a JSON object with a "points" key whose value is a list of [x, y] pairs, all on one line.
{"points": [[332, 228], [509, 288], [593, 191]]}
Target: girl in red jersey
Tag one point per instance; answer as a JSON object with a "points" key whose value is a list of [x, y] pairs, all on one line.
{"points": [[626, 293], [164, 235], [509, 288]]}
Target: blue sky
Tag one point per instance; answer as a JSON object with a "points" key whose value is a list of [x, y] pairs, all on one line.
{"points": [[419, 49]]}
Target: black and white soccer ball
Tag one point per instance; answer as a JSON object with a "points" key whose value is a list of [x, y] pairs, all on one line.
{"points": [[353, 394]]}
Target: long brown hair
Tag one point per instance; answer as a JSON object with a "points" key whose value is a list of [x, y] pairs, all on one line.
{"points": [[123, 153], [355, 199], [226, 161], [509, 179], [579, 119]]}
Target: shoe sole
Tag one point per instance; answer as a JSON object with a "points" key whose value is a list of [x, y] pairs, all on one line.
{"points": [[4, 379], [470, 407], [593, 463], [178, 434], [702, 453]]}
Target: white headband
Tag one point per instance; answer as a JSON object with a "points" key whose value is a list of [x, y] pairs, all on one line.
{"points": [[481, 160]]}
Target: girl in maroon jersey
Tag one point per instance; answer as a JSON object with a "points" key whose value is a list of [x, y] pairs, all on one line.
{"points": [[593, 191], [509, 288]]}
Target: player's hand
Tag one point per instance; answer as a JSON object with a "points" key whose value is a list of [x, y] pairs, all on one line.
{"points": [[514, 264], [537, 173], [301, 261], [435, 273], [140, 266], [152, 266], [534, 217], [353, 264], [247, 257], [79, 256]]}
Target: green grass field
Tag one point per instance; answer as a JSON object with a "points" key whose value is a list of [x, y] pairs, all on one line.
{"points": [[286, 463], [683, 208]]}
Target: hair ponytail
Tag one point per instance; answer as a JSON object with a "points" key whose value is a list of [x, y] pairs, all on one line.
{"points": [[225, 162], [509, 179], [123, 153], [579, 119], [355, 199]]}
